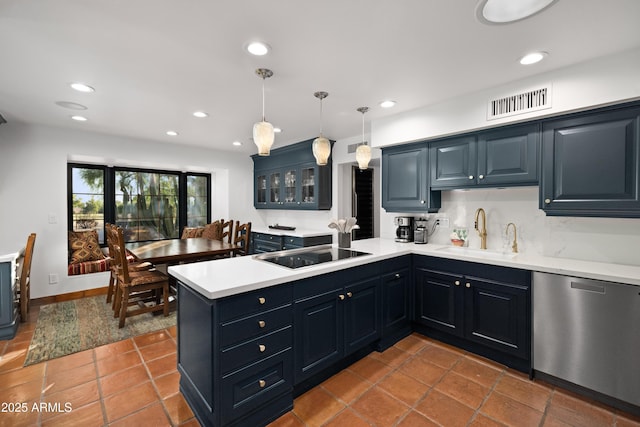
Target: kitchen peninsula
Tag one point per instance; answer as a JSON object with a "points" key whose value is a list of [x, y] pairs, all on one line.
{"points": [[253, 335]]}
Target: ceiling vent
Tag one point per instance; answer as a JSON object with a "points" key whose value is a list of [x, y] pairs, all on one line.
{"points": [[524, 102]]}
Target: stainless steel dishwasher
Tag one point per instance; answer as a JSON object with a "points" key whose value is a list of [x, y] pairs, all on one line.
{"points": [[588, 332]]}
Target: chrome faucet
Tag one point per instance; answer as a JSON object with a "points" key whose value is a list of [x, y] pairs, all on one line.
{"points": [[514, 246], [482, 232]]}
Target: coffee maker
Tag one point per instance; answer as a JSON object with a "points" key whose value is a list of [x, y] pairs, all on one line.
{"points": [[420, 234], [404, 230]]}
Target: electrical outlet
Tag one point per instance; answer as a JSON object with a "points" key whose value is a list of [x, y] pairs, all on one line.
{"points": [[53, 279], [442, 222]]}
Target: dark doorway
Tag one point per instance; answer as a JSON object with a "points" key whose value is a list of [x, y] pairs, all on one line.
{"points": [[362, 202]]}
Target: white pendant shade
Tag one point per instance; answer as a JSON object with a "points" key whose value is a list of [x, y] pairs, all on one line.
{"points": [[363, 156], [263, 136], [321, 150]]}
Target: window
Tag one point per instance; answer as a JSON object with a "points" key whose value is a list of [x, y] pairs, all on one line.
{"points": [[147, 204]]}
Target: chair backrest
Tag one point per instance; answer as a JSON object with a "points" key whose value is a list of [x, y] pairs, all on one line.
{"points": [[242, 238], [26, 262], [226, 230], [120, 252]]}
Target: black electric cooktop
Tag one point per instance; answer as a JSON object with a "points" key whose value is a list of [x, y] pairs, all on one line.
{"points": [[309, 256]]}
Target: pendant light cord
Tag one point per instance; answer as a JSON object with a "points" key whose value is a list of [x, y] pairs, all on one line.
{"points": [[263, 119], [320, 116]]}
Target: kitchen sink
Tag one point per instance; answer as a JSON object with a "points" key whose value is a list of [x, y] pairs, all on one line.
{"points": [[478, 253]]}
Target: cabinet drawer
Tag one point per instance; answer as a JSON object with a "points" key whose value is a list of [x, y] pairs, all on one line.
{"points": [[254, 302], [264, 237], [255, 350], [255, 385], [260, 247], [289, 242], [265, 322]]}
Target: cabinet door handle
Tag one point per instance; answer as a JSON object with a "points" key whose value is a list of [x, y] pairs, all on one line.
{"points": [[349, 294], [547, 201], [470, 176], [262, 348], [422, 202], [480, 176], [397, 275], [262, 383], [262, 300], [457, 282], [468, 285], [262, 323], [341, 297]]}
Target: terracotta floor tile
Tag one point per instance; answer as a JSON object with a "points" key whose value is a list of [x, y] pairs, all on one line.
{"points": [[163, 365], [153, 415], [627, 420], [379, 408], [347, 418], [119, 362], [123, 380], [439, 356], [423, 371], [121, 404], [462, 389], [287, 420], [63, 380], [412, 344], [151, 338], [316, 407], [157, 350], [87, 416], [21, 376], [113, 349], [20, 418], [173, 331], [370, 369], [444, 410], [524, 391], [14, 344], [77, 397], [69, 362], [415, 419], [510, 412], [167, 385], [194, 423], [178, 409], [29, 392], [346, 386], [578, 412], [403, 387], [392, 356], [484, 421], [12, 360], [479, 372], [551, 421]]}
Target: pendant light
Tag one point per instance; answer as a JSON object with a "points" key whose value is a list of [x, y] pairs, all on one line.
{"points": [[263, 134], [321, 146], [363, 152]]}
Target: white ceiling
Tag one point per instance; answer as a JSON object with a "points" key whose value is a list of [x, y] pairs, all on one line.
{"points": [[154, 62]]}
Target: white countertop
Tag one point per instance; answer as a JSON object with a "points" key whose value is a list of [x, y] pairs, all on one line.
{"points": [[298, 232], [225, 277]]}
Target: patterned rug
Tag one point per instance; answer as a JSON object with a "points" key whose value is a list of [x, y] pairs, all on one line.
{"points": [[72, 326]]}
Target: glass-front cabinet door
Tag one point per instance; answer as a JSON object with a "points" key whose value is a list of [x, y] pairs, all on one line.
{"points": [[290, 186], [308, 184], [274, 188], [261, 189]]}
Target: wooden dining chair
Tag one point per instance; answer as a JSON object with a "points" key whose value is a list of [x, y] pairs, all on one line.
{"points": [[226, 230], [242, 238], [138, 288], [25, 279]]}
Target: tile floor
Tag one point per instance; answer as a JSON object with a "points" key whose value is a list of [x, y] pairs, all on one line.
{"points": [[418, 382]]}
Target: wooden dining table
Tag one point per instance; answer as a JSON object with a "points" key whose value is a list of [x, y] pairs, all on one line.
{"points": [[175, 251]]}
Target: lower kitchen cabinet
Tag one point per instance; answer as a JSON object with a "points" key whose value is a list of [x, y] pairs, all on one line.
{"points": [[397, 295], [482, 308], [267, 242]]}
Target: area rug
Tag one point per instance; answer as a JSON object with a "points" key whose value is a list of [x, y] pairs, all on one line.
{"points": [[71, 326]]}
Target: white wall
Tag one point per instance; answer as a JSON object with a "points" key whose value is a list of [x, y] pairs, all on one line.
{"points": [[33, 186]]}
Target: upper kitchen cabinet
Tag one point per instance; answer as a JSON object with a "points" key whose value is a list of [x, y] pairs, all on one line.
{"points": [[289, 178], [501, 157], [405, 180], [590, 164]]}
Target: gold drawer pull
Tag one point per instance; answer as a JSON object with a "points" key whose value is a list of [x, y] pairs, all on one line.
{"points": [[349, 294], [262, 383], [262, 300], [468, 285], [457, 282], [262, 323], [262, 348], [341, 297]]}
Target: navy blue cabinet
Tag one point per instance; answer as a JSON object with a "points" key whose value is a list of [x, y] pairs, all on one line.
{"points": [[289, 178], [8, 297], [506, 156], [397, 297], [405, 180], [482, 308], [590, 164], [267, 242]]}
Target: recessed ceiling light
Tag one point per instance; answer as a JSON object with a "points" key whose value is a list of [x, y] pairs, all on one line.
{"points": [[237, 143], [81, 87], [277, 130], [79, 118], [506, 11], [532, 58], [172, 133], [387, 104], [258, 48], [71, 105], [200, 114]]}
